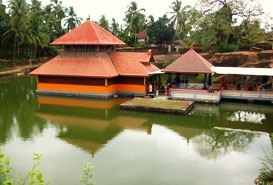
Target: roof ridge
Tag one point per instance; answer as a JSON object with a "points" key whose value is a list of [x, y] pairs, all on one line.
{"points": [[95, 30], [206, 62], [88, 33]]}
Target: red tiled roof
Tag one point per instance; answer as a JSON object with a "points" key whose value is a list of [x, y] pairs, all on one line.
{"points": [[88, 33], [142, 35], [190, 63], [133, 63], [98, 65], [81, 64]]}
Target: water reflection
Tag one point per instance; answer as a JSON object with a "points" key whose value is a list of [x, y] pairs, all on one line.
{"points": [[244, 116], [18, 102], [147, 147], [217, 142], [88, 124], [93, 123]]}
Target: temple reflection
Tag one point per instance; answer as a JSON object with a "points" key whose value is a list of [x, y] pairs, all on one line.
{"points": [[91, 124]]}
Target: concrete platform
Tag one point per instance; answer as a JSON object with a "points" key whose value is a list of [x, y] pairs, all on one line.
{"points": [[159, 105]]}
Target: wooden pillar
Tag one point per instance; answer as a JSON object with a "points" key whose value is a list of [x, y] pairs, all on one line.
{"points": [[205, 81], [210, 80], [106, 82]]}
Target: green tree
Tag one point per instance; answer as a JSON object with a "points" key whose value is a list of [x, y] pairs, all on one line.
{"points": [[103, 22], [204, 34], [223, 25], [228, 12], [71, 20], [135, 20], [37, 30], [150, 20], [250, 13], [161, 31], [115, 28], [4, 20], [57, 16], [16, 33], [177, 18]]}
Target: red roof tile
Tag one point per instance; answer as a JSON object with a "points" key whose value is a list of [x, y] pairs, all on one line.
{"points": [[133, 64], [88, 33], [81, 64], [190, 63], [142, 35], [98, 64]]}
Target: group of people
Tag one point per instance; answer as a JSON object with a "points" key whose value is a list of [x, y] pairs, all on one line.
{"points": [[177, 81], [167, 89], [249, 87]]}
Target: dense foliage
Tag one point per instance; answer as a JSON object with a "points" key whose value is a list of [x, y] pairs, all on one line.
{"points": [[26, 29]]}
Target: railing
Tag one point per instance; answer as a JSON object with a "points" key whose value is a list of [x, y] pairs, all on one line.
{"points": [[247, 95], [195, 95]]}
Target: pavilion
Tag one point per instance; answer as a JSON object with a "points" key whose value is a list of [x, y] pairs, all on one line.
{"points": [[191, 63], [90, 66]]}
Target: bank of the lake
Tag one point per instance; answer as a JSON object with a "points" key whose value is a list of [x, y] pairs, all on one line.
{"points": [[19, 70]]}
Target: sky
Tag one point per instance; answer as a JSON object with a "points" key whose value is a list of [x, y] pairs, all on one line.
{"points": [[117, 8]]}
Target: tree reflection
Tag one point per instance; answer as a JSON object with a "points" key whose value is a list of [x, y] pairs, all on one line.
{"points": [[18, 102], [216, 142]]}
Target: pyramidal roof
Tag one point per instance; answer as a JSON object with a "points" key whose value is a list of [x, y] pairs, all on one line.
{"points": [[190, 63], [88, 33]]}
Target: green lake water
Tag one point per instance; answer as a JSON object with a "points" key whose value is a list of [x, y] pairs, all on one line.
{"points": [[214, 144]]}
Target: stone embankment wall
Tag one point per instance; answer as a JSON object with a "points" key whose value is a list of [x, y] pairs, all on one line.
{"points": [[232, 59], [242, 59]]}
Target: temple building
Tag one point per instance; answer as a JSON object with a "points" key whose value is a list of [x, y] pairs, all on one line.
{"points": [[90, 66]]}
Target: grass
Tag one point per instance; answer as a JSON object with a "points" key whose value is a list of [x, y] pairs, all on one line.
{"points": [[159, 103]]}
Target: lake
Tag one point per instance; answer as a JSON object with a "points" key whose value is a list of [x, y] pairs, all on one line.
{"points": [[214, 144]]}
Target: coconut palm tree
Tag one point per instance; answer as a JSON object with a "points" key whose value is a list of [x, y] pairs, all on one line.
{"points": [[103, 22], [134, 19], [4, 19], [176, 7], [18, 10], [37, 32], [177, 17], [58, 12], [115, 27], [71, 20]]}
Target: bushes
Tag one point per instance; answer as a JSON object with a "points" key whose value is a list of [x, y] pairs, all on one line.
{"points": [[165, 64], [227, 48], [34, 176], [266, 172]]}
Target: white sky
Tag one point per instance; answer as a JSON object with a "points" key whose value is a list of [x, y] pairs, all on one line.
{"points": [[117, 8]]}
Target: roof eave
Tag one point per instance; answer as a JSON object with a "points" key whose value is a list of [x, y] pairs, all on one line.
{"points": [[95, 76], [86, 44], [187, 72]]}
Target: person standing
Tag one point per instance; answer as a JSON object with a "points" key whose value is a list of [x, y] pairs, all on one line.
{"points": [[168, 89], [150, 88]]}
